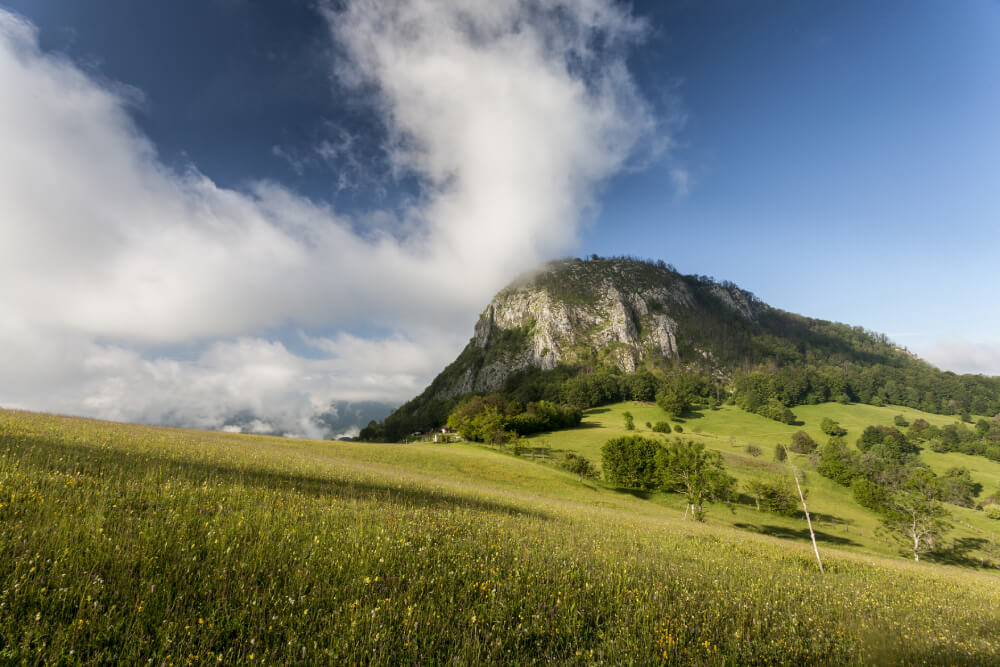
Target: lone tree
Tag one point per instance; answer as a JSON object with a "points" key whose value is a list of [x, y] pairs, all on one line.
{"points": [[630, 461], [832, 428], [687, 467], [673, 401], [629, 421], [775, 495], [802, 443], [661, 427], [579, 466], [914, 516]]}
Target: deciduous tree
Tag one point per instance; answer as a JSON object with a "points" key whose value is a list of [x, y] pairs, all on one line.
{"points": [[687, 467], [914, 516]]}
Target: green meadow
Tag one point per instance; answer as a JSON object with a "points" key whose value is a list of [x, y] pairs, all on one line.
{"points": [[142, 545], [841, 521]]}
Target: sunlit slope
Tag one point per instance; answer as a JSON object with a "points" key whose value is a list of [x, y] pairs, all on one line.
{"points": [[841, 521], [135, 544]]}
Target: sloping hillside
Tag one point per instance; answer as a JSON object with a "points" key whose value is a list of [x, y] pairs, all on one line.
{"points": [[150, 545], [842, 522]]}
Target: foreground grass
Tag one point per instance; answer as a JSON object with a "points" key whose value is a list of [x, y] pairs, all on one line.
{"points": [[142, 545]]}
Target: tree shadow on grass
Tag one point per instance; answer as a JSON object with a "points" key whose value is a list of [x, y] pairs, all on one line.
{"points": [[959, 552], [583, 425], [638, 493], [115, 464], [792, 534], [832, 519]]}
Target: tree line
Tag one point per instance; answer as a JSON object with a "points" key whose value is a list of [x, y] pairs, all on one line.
{"points": [[496, 420]]}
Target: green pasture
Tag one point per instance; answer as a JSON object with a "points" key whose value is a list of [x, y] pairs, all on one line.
{"points": [[138, 545], [729, 430]]}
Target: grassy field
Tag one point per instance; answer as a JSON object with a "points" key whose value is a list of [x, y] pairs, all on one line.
{"points": [[841, 521], [143, 545]]}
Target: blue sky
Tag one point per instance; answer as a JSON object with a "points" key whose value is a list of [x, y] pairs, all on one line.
{"points": [[229, 206], [844, 163]]}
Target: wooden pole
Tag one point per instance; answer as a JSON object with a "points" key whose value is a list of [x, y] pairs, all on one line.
{"points": [[808, 520]]}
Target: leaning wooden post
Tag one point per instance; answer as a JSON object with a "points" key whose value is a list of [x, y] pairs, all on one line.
{"points": [[808, 520]]}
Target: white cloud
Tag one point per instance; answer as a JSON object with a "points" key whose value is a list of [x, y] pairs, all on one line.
{"points": [[245, 376], [963, 356], [512, 113]]}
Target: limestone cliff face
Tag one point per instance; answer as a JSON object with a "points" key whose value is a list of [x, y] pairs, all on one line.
{"points": [[616, 312]]}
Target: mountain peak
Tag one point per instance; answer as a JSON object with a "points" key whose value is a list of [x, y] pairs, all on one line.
{"points": [[621, 317], [618, 312]]}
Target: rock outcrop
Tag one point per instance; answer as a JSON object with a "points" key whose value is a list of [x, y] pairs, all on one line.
{"points": [[615, 312]]}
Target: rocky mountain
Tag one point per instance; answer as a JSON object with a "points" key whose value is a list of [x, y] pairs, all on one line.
{"points": [[622, 317], [618, 313]]}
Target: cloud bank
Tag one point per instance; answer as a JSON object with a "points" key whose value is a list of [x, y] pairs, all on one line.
{"points": [[510, 113], [963, 356]]}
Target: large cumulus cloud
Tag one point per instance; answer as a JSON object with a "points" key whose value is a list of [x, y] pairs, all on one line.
{"points": [[134, 291]]}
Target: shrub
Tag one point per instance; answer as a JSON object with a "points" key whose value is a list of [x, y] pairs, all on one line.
{"points": [[753, 450], [992, 511], [629, 421], [886, 442], [917, 428], [778, 411], [661, 427], [838, 463], [956, 487], [939, 447], [869, 494], [673, 402], [678, 428], [629, 461], [579, 465], [900, 421], [832, 428], [780, 455], [802, 443], [777, 496]]}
